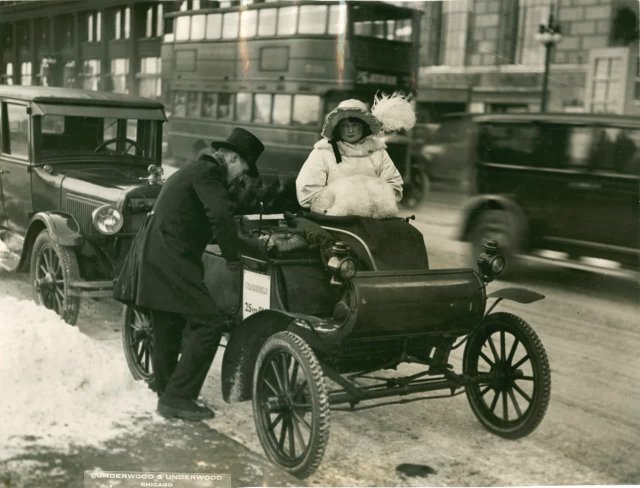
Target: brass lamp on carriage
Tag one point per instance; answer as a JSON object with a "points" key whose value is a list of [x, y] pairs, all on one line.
{"points": [[341, 265], [490, 262]]}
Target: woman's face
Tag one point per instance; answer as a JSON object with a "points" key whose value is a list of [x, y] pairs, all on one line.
{"points": [[351, 130]]}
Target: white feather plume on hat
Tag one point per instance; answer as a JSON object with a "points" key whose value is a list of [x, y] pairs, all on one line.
{"points": [[395, 111]]}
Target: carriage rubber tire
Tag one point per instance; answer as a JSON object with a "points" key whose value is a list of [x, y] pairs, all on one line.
{"points": [[297, 348], [503, 321], [137, 370], [484, 228], [70, 272]]}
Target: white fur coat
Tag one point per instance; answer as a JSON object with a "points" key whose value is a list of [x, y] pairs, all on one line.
{"points": [[365, 196], [368, 158]]}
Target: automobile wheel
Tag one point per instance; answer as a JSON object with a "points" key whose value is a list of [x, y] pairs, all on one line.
{"points": [[137, 341], [514, 386], [417, 188], [52, 269], [498, 226], [290, 404]]}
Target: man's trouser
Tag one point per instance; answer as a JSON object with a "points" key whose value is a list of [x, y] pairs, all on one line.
{"points": [[194, 338]]}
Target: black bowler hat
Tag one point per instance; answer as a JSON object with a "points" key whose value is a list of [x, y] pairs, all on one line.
{"points": [[246, 145]]}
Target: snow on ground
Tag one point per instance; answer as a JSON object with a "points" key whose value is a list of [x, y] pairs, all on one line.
{"points": [[60, 387]]}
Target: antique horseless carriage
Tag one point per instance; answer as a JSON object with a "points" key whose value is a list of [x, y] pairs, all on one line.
{"points": [[329, 312]]}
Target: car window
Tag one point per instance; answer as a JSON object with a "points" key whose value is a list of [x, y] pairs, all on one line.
{"points": [[617, 150], [513, 144], [18, 123], [78, 135]]}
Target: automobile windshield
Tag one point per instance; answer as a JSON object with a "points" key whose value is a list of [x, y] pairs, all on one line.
{"points": [[62, 136]]}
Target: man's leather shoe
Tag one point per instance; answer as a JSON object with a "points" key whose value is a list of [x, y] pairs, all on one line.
{"points": [[193, 412]]}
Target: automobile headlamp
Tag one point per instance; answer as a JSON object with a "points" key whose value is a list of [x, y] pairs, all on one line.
{"points": [[107, 220], [490, 262]]}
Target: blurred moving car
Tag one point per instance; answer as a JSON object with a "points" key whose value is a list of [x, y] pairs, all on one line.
{"points": [[444, 149], [79, 170], [558, 186]]}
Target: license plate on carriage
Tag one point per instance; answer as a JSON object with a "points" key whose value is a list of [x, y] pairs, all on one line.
{"points": [[256, 293]]}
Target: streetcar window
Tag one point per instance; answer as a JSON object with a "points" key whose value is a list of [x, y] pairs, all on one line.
{"points": [[391, 29], [282, 109], [287, 20], [214, 26], [248, 23], [313, 19], [267, 23], [243, 107], [197, 27], [193, 104], [179, 104], [225, 106], [209, 105], [404, 30], [182, 27], [262, 108], [306, 109], [230, 25], [337, 19], [363, 28]]}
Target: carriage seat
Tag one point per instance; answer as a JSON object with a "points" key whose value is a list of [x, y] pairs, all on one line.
{"points": [[380, 244]]}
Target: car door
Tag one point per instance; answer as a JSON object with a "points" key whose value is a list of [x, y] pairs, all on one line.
{"points": [[14, 166], [612, 190]]}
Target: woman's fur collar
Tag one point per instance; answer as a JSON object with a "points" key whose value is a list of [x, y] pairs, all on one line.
{"points": [[367, 146]]}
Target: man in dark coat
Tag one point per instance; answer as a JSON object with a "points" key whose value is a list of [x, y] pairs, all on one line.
{"points": [[164, 275]]}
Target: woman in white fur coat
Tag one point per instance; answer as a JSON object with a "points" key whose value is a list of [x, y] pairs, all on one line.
{"points": [[350, 147]]}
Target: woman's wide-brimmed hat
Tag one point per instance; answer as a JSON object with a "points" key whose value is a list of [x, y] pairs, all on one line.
{"points": [[348, 109], [246, 145]]}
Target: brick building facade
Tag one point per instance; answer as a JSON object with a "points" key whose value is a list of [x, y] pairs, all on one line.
{"points": [[483, 56]]}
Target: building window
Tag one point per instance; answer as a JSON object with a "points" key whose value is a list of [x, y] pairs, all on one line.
{"points": [[530, 50], [150, 79], [91, 74], [94, 27], [25, 73], [455, 18], [7, 78], [607, 84], [119, 73], [122, 23], [154, 21], [243, 107]]}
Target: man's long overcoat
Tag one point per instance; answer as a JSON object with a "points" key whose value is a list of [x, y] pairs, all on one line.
{"points": [[164, 269]]}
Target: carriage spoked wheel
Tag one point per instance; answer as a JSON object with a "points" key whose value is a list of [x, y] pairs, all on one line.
{"points": [[137, 340], [290, 404], [514, 398]]}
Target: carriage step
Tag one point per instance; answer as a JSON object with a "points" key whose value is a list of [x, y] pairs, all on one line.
{"points": [[95, 289]]}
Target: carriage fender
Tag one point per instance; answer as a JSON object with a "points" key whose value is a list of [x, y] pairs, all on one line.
{"points": [[63, 229], [481, 203], [242, 350], [246, 340], [519, 295]]}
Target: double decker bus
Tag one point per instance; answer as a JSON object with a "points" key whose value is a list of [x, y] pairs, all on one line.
{"points": [[277, 68]]}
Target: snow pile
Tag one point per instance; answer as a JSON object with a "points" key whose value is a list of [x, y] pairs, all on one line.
{"points": [[59, 387]]}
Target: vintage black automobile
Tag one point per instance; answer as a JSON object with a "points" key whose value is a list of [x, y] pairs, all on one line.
{"points": [[337, 312], [78, 173]]}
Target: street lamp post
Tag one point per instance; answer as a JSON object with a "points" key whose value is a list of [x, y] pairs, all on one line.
{"points": [[549, 35]]}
